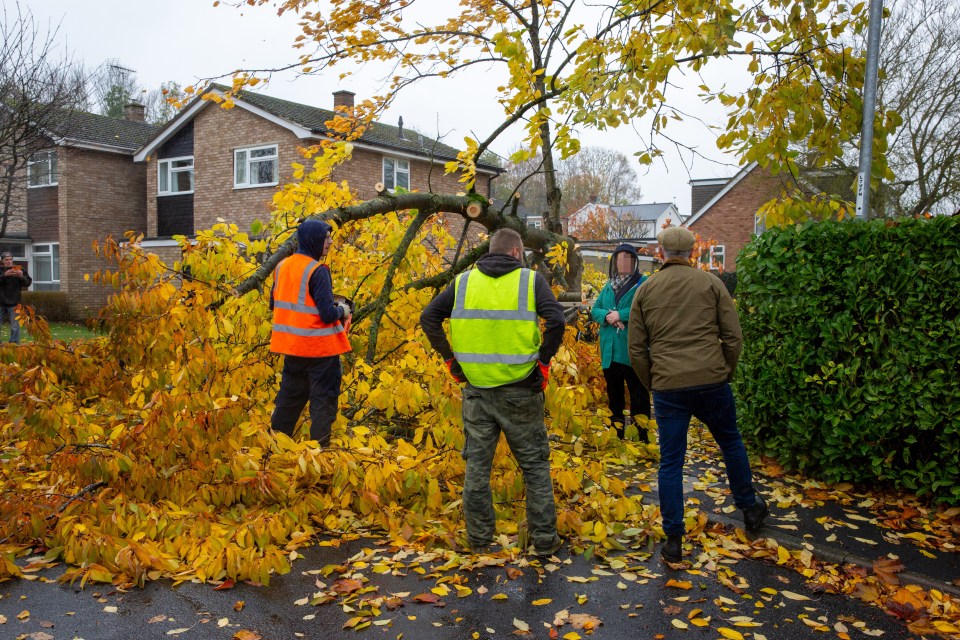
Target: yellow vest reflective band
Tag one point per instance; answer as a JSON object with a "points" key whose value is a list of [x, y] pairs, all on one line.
{"points": [[493, 327], [297, 327]]}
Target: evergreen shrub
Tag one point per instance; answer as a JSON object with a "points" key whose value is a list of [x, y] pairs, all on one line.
{"points": [[851, 362], [51, 305]]}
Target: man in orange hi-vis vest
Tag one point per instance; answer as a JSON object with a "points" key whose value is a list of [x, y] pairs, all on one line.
{"points": [[310, 330]]}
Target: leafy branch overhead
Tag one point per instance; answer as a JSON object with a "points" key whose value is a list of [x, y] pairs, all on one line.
{"points": [[572, 66]]}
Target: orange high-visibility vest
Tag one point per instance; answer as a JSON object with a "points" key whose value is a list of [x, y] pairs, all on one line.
{"points": [[297, 327]]}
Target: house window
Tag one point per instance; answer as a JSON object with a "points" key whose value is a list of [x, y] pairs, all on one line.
{"points": [[256, 167], [713, 257], [175, 175], [759, 223], [42, 169], [534, 223], [396, 174], [46, 267]]}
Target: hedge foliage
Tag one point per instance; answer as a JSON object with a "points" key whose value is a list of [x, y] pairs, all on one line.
{"points": [[51, 305], [851, 362]]}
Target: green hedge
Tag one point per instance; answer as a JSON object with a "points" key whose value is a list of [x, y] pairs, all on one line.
{"points": [[851, 362], [51, 305]]}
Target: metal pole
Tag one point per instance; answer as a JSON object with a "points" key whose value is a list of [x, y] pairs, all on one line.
{"points": [[874, 25]]}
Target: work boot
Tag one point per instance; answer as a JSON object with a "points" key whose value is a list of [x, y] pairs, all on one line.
{"points": [[548, 551], [753, 516], [672, 549]]}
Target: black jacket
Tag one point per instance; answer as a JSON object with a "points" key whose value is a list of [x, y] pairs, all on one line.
{"points": [[496, 265], [12, 286]]}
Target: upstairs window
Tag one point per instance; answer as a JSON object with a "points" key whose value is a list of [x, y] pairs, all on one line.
{"points": [[256, 167], [396, 174], [42, 169], [713, 258], [175, 176], [535, 223]]}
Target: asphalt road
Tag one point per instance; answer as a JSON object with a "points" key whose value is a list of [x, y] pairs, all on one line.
{"points": [[631, 601]]}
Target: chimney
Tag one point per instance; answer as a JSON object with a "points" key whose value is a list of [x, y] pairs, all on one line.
{"points": [[134, 111], [343, 98], [400, 127]]}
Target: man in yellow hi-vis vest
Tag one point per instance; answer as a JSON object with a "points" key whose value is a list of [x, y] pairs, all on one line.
{"points": [[498, 351]]}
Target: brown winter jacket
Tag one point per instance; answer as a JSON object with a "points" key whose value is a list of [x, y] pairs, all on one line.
{"points": [[684, 331]]}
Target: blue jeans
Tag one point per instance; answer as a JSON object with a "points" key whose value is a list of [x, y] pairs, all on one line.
{"points": [[713, 406], [518, 413], [313, 379], [10, 313]]}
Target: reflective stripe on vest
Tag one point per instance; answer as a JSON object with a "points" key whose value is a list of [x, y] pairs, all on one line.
{"points": [[493, 325], [297, 327]]}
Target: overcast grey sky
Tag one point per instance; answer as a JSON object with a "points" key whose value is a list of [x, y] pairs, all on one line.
{"points": [[185, 40]]}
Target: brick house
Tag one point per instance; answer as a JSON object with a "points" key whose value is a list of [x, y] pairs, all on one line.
{"points": [[725, 210], [209, 163], [80, 186], [644, 219]]}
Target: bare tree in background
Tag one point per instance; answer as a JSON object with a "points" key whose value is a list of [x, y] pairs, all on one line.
{"points": [[600, 175], [114, 86], [40, 87], [919, 55], [920, 80], [594, 174]]}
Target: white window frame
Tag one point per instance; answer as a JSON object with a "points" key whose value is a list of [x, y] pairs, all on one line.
{"points": [[45, 249], [759, 224], [535, 223], [391, 183], [715, 257], [166, 165], [49, 158], [248, 161]]}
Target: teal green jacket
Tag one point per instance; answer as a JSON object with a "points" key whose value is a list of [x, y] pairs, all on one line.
{"points": [[613, 343]]}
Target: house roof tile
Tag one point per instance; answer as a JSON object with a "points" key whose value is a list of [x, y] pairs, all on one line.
{"points": [[383, 135], [90, 128]]}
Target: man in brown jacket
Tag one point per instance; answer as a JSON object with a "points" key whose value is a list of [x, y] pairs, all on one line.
{"points": [[684, 341]]}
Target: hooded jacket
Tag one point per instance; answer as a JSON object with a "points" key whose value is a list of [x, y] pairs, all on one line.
{"points": [[496, 265], [306, 322], [311, 236], [613, 341]]}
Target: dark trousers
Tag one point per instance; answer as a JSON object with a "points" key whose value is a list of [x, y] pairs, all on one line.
{"points": [[313, 379], [714, 406], [616, 376]]}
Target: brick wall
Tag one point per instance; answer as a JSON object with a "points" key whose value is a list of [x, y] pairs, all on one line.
{"points": [[730, 221], [218, 132], [100, 194]]}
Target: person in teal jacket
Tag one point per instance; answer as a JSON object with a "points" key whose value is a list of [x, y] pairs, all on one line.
{"points": [[612, 312]]}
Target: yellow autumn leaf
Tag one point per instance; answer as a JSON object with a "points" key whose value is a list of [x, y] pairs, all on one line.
{"points": [[793, 596], [541, 602], [521, 625], [730, 634], [783, 556]]}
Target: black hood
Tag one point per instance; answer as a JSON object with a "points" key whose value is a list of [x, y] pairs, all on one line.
{"points": [[623, 248], [497, 264], [310, 237]]}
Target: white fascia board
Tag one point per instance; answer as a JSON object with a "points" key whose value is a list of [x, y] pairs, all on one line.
{"points": [[93, 146], [168, 132], [720, 194]]}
